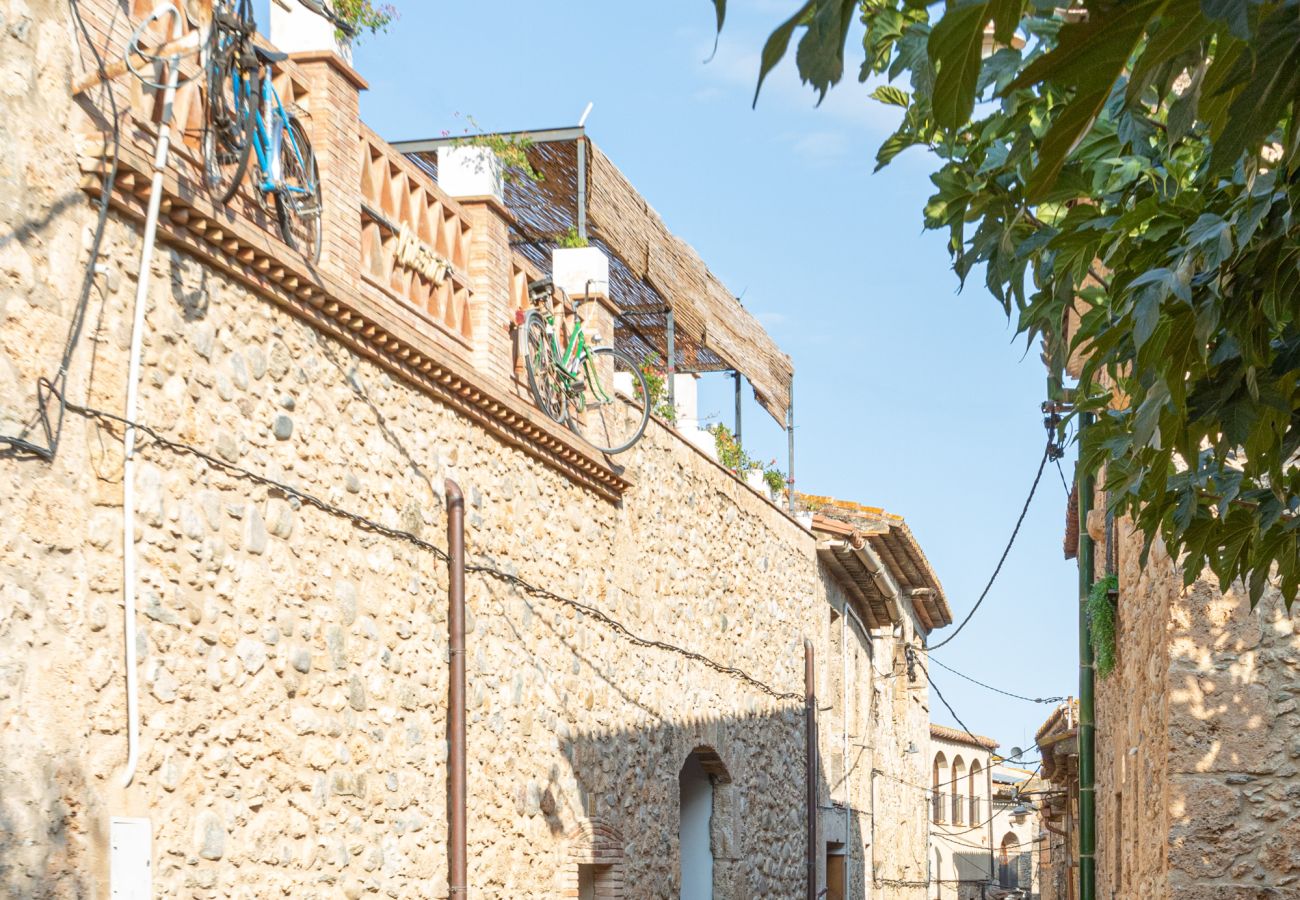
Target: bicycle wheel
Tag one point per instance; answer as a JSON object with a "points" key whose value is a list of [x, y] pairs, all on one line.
{"points": [[228, 113], [610, 412], [297, 196], [539, 360]]}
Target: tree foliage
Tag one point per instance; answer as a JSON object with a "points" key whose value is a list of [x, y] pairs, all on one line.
{"points": [[1124, 177]]}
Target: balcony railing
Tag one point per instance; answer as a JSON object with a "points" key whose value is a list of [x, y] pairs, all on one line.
{"points": [[414, 240]]}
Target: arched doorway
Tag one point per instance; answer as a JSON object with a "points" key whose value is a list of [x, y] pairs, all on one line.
{"points": [[1009, 861], [975, 789], [702, 784]]}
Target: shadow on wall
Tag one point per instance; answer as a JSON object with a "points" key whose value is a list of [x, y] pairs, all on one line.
{"points": [[706, 807], [1234, 789], [45, 827]]}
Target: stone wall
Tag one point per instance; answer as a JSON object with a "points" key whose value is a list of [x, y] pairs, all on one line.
{"points": [[292, 657], [1197, 759]]}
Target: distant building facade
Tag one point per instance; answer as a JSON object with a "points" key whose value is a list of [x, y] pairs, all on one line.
{"points": [[983, 834]]}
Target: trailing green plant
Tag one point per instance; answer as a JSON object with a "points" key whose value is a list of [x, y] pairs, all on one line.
{"points": [[1101, 624], [571, 239], [731, 455], [774, 478], [656, 382], [510, 150], [363, 16], [1125, 179]]}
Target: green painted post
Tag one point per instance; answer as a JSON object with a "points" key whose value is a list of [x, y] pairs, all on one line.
{"points": [[1087, 711]]}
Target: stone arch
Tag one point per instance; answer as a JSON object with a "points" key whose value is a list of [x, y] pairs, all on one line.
{"points": [[958, 782], [708, 848], [938, 783], [1009, 861], [593, 861]]}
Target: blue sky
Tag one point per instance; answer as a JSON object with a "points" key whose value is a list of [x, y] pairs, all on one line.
{"points": [[908, 395]]}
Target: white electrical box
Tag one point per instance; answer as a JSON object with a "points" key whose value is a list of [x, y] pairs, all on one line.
{"points": [[131, 858]]}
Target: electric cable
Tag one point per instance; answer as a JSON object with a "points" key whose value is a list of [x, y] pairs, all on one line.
{"points": [[56, 386], [397, 534], [1064, 481], [1042, 463], [995, 690]]}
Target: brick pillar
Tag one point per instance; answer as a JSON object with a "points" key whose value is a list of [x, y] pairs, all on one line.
{"points": [[489, 281], [333, 100]]}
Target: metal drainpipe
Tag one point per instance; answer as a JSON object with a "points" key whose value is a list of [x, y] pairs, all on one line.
{"points": [[670, 364], [1087, 712], [789, 433], [582, 187], [810, 751], [457, 855], [736, 375]]}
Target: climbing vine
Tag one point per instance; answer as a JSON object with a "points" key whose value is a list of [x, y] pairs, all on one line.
{"points": [[1101, 624]]}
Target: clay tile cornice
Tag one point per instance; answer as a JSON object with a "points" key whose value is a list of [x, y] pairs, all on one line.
{"points": [[235, 246]]}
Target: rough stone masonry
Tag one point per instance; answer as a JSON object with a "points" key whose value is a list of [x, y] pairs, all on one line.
{"points": [[292, 663]]}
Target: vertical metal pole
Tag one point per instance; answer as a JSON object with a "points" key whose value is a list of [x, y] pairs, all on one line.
{"points": [[1087, 711], [810, 755], [737, 377], [582, 187], [670, 364], [457, 854], [789, 433]]}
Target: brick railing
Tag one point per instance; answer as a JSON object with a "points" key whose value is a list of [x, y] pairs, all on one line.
{"points": [[415, 242], [423, 284]]}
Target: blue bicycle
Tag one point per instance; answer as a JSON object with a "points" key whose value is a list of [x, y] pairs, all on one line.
{"points": [[244, 117]]}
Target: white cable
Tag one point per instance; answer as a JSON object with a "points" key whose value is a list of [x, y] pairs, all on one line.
{"points": [[133, 394]]}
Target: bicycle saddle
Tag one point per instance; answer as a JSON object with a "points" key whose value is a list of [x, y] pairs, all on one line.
{"points": [[269, 57]]}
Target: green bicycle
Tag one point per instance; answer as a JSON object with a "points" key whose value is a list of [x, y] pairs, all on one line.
{"points": [[598, 392]]}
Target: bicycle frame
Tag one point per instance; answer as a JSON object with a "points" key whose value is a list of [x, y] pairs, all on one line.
{"points": [[266, 137], [576, 355]]}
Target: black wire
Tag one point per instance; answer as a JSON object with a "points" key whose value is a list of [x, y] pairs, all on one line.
{"points": [[948, 706], [55, 387], [476, 568], [999, 690], [1042, 463], [1064, 482]]}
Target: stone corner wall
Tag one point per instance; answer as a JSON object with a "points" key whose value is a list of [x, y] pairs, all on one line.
{"points": [[1197, 734]]}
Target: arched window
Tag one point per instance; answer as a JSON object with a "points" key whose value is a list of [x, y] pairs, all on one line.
{"points": [[704, 822], [958, 782], [1009, 862], [975, 790], [939, 783]]}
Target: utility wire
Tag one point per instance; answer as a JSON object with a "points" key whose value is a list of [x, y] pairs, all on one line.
{"points": [[990, 687], [476, 568], [1064, 481], [47, 388], [1042, 463]]}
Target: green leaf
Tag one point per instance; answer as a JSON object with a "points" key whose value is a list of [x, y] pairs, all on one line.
{"points": [[720, 7], [1234, 13], [778, 42], [1006, 17], [820, 56], [891, 96], [1092, 53], [1273, 83], [954, 51], [894, 144], [1182, 112]]}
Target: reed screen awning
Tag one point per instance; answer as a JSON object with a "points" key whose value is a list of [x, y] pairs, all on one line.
{"points": [[652, 270]]}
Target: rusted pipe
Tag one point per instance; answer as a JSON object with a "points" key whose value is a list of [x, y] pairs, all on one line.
{"points": [[810, 749], [457, 871]]}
